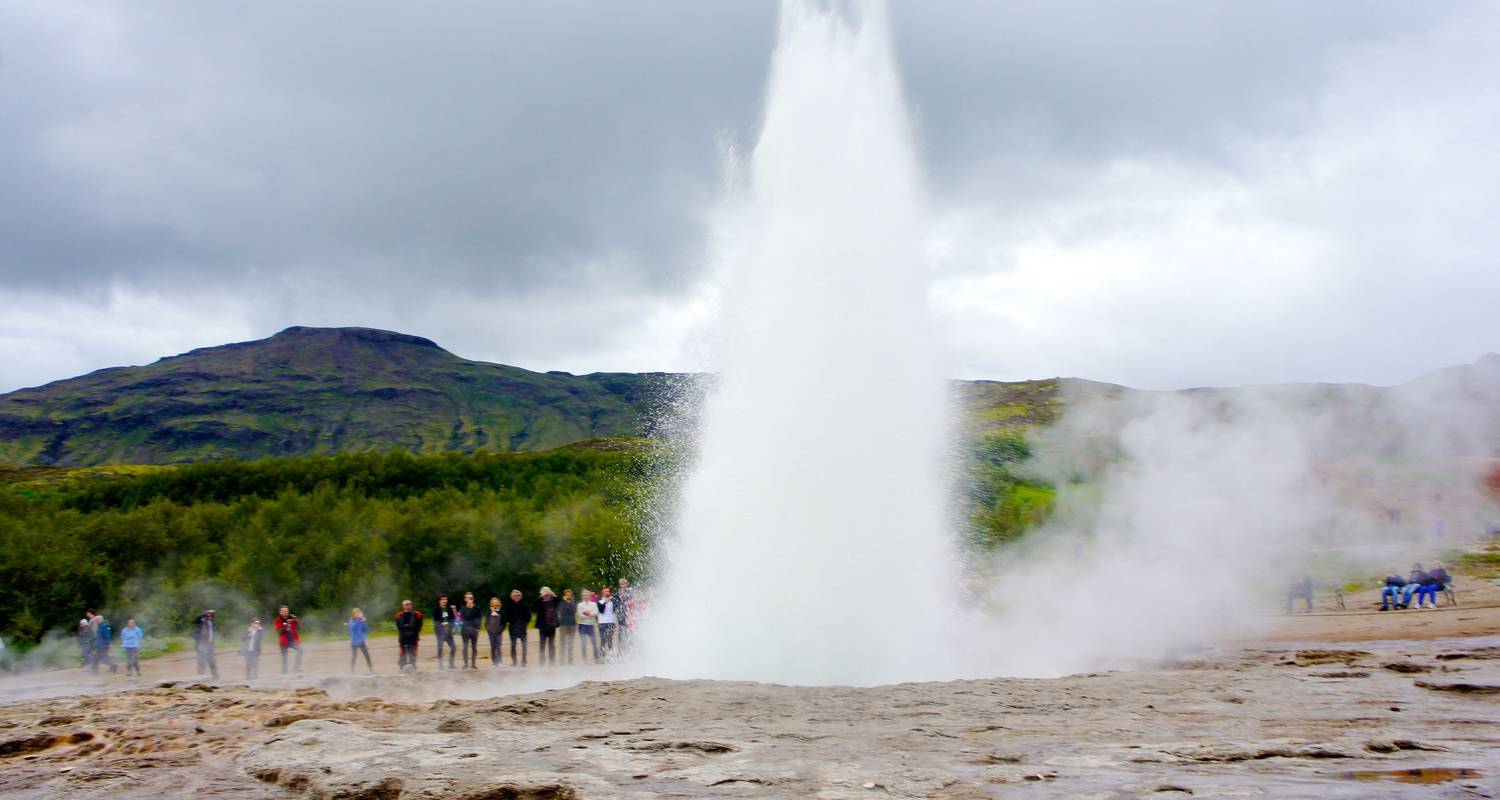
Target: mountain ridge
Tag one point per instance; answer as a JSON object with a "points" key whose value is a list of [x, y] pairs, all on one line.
{"points": [[310, 390]]}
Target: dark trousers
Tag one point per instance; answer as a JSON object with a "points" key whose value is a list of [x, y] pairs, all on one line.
{"points": [[206, 660], [293, 646], [588, 640], [447, 639], [494, 647], [132, 660], [355, 650], [471, 647], [606, 637], [408, 655], [569, 634], [517, 634], [101, 655], [546, 647]]}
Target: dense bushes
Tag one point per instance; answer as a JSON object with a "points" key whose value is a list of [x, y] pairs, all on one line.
{"points": [[317, 533], [329, 532]]}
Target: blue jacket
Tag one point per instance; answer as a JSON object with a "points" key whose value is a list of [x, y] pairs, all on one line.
{"points": [[131, 637], [358, 630], [105, 634]]}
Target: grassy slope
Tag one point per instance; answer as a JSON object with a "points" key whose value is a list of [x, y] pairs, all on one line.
{"points": [[312, 391]]}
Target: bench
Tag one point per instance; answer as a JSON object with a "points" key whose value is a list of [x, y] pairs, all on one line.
{"points": [[1334, 588]]}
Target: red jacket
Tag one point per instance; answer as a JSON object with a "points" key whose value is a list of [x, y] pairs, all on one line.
{"points": [[287, 627]]}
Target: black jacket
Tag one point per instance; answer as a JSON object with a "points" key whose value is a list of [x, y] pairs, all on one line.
{"points": [[517, 614], [471, 617], [1440, 577], [445, 621], [494, 620], [1395, 580], [546, 614], [408, 626], [567, 613]]}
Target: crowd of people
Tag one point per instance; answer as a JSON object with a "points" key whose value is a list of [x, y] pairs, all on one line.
{"points": [[1420, 584], [1398, 592], [597, 626]]}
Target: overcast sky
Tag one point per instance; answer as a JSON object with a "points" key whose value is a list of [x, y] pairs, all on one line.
{"points": [[1157, 194]]}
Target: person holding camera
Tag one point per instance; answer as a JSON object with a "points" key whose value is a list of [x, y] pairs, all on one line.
{"points": [[470, 618], [289, 632], [203, 643]]}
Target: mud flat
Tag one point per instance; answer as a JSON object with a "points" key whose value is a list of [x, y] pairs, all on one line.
{"points": [[1417, 718]]}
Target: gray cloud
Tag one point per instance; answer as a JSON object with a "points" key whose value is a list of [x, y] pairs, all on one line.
{"points": [[527, 182]]}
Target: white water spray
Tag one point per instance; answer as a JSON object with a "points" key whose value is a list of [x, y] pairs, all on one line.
{"points": [[811, 543]]}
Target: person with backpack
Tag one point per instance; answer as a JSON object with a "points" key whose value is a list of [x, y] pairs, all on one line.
{"points": [[103, 637], [289, 636], [408, 635], [517, 616], [250, 648], [471, 618], [130, 641], [445, 624], [203, 643], [359, 632]]}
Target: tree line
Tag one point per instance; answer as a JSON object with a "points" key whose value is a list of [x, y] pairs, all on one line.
{"points": [[324, 533]]}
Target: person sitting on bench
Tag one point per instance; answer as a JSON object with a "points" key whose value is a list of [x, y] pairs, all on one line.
{"points": [[1432, 581], [1413, 583], [1390, 596]]}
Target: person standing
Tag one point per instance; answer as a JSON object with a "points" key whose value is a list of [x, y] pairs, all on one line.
{"points": [[546, 628], [624, 608], [471, 617], [130, 641], [85, 639], [517, 616], [567, 625], [103, 637], [250, 648], [203, 643], [289, 636], [494, 625], [359, 631], [408, 635], [445, 624], [588, 624], [608, 619]]}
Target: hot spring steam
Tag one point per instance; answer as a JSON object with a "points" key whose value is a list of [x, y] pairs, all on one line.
{"points": [[811, 541]]}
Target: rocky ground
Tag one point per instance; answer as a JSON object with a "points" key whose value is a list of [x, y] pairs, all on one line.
{"points": [[1417, 718]]}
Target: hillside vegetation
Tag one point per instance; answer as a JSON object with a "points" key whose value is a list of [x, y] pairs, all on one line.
{"points": [[318, 533], [316, 391]]}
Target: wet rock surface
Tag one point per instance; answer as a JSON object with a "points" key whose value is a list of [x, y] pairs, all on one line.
{"points": [[1269, 722]]}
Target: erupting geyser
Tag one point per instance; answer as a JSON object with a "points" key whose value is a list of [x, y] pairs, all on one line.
{"points": [[811, 543]]}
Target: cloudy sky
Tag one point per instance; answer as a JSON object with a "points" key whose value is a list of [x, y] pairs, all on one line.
{"points": [[1164, 195]]}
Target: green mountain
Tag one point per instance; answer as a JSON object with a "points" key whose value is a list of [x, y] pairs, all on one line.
{"points": [[309, 391]]}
